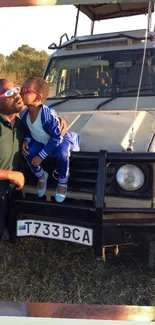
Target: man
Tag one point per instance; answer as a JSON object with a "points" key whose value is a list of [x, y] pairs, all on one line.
{"points": [[11, 138]]}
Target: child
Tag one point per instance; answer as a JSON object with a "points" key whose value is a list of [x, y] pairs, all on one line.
{"points": [[44, 137]]}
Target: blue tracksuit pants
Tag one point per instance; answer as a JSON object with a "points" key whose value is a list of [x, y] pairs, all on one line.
{"points": [[61, 154]]}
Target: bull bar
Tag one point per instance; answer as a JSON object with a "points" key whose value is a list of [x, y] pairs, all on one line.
{"points": [[90, 214]]}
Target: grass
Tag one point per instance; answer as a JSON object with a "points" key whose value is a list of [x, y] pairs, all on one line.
{"points": [[52, 271]]}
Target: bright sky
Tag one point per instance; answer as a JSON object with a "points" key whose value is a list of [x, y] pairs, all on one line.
{"points": [[40, 26]]}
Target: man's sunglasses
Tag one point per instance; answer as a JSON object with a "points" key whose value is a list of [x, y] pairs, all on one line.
{"points": [[10, 92]]}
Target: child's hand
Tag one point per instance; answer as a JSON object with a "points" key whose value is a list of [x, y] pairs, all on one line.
{"points": [[25, 148], [36, 161]]}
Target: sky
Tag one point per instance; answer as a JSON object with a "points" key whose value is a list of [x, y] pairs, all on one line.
{"points": [[40, 26]]}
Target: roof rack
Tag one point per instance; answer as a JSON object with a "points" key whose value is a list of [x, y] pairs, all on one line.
{"points": [[72, 41], [53, 46]]}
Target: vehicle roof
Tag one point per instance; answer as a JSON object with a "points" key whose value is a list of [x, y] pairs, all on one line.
{"points": [[104, 11], [97, 43]]}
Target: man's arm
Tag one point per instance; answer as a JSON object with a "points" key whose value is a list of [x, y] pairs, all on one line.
{"points": [[4, 174], [14, 177]]}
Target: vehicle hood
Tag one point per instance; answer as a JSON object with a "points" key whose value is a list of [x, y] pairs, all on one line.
{"points": [[110, 130]]}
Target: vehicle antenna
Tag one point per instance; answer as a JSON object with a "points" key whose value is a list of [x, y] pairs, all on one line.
{"points": [[132, 133]]}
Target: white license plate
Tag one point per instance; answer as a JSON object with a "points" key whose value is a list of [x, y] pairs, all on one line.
{"points": [[55, 230]]}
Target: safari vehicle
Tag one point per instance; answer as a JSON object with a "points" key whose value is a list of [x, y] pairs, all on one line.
{"points": [[104, 86]]}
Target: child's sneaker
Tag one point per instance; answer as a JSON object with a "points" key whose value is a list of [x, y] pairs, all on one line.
{"points": [[41, 191], [60, 197]]}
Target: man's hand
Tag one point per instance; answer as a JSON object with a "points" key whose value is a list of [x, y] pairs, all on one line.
{"points": [[16, 178], [63, 126], [25, 148], [36, 161]]}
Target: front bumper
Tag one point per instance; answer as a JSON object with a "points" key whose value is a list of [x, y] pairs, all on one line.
{"points": [[111, 225]]}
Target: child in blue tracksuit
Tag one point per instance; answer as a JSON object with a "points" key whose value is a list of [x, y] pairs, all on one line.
{"points": [[44, 137]]}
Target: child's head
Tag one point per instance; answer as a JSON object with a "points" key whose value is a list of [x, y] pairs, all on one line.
{"points": [[34, 91]]}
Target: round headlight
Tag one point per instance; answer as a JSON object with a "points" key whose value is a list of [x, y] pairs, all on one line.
{"points": [[130, 177]]}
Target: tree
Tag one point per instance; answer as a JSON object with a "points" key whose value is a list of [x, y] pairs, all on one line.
{"points": [[25, 61], [2, 59]]}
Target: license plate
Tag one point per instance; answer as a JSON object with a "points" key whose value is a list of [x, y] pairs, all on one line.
{"points": [[54, 230]]}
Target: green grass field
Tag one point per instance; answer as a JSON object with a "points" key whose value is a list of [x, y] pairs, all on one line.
{"points": [[53, 271]]}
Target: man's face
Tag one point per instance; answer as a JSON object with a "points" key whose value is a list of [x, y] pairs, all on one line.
{"points": [[10, 105]]}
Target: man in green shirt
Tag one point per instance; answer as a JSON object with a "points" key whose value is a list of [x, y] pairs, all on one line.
{"points": [[11, 138]]}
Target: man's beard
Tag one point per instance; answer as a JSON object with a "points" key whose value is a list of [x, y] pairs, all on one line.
{"points": [[10, 111]]}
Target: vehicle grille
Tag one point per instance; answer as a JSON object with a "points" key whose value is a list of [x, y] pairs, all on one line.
{"points": [[83, 178]]}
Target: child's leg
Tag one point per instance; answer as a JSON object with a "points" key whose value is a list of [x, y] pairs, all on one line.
{"points": [[62, 153], [71, 142], [34, 148]]}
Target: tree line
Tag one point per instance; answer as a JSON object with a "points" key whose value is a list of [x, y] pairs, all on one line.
{"points": [[25, 61]]}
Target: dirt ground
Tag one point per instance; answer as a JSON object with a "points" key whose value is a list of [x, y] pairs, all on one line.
{"points": [[53, 271]]}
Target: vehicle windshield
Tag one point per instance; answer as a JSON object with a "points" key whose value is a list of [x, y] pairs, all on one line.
{"points": [[106, 74]]}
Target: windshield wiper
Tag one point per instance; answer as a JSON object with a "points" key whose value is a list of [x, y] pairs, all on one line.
{"points": [[58, 103], [105, 102], [117, 94], [128, 91], [62, 101]]}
